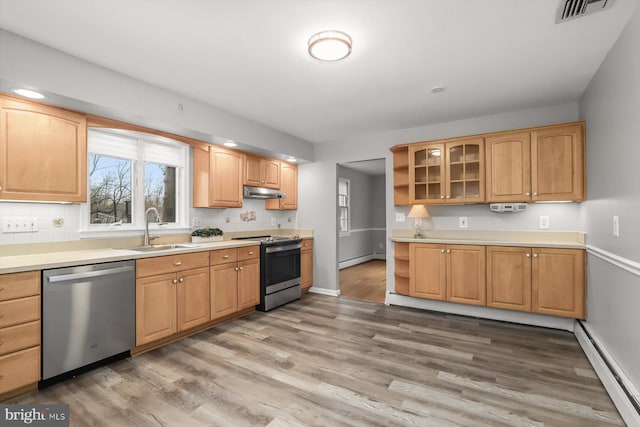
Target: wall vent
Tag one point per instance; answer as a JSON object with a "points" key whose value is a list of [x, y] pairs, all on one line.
{"points": [[572, 9]]}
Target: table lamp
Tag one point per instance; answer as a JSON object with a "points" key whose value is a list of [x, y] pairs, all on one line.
{"points": [[418, 212]]}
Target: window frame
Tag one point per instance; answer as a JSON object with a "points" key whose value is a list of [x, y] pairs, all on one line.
{"points": [[136, 152], [347, 207]]}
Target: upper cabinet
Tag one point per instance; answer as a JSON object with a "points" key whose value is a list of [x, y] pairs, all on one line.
{"points": [[528, 165], [540, 164], [289, 186], [447, 172], [261, 172], [217, 178], [44, 153]]}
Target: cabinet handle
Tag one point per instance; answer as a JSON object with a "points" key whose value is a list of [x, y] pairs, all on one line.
{"points": [[448, 196], [442, 197], [174, 281], [181, 280], [1, 342], [535, 194], [225, 257], [535, 255], [0, 188], [527, 194], [442, 250], [250, 252], [448, 251], [527, 255], [236, 269], [1, 288], [240, 268], [178, 263]]}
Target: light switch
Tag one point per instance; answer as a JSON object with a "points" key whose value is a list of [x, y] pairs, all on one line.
{"points": [[544, 222], [400, 217], [462, 222], [616, 226]]}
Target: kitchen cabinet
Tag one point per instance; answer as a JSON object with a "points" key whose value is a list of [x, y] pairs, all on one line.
{"points": [[234, 280], [557, 282], [454, 273], [400, 175], [289, 186], [261, 172], [217, 178], [306, 264], [451, 171], [509, 277], [44, 153], [401, 272], [172, 295], [538, 164], [20, 331]]}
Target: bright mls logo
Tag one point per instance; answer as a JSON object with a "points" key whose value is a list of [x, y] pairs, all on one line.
{"points": [[37, 415]]}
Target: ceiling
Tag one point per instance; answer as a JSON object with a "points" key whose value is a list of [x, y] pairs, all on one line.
{"points": [[250, 57], [367, 167]]}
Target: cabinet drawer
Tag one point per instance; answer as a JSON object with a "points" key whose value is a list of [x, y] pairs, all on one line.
{"points": [[18, 285], [222, 256], [248, 252], [171, 264], [307, 245], [14, 338], [19, 369], [20, 310]]}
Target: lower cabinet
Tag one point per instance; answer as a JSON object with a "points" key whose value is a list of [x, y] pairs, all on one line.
{"points": [[172, 295], [306, 264], [19, 331], [235, 280], [453, 273], [509, 278]]}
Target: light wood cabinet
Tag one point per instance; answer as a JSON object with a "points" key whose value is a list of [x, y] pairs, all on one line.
{"points": [[447, 172], [172, 295], [217, 178], [234, 280], [401, 272], [289, 186], [541, 280], [20, 331], [401, 175], [453, 273], [261, 172], [540, 164], [44, 152], [306, 264]]}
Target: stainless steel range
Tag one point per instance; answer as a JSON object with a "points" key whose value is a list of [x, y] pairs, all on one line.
{"points": [[279, 270]]}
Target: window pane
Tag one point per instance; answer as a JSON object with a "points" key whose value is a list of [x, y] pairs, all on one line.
{"points": [[110, 188], [160, 189]]}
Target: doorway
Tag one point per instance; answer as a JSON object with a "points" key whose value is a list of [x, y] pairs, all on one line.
{"points": [[361, 220]]}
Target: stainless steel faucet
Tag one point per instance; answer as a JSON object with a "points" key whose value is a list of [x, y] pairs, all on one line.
{"points": [[148, 238]]}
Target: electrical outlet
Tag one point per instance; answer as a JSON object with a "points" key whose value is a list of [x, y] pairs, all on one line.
{"points": [[616, 226], [463, 222], [380, 245], [19, 225], [196, 221], [399, 217], [273, 221], [543, 222]]}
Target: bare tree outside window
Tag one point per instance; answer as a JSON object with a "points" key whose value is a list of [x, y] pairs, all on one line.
{"points": [[110, 188], [160, 189]]}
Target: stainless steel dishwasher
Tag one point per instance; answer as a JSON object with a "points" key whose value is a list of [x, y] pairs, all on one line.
{"points": [[88, 317]]}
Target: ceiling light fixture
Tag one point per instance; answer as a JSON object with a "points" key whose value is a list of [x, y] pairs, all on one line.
{"points": [[291, 159], [438, 89], [28, 93], [230, 144], [330, 46]]}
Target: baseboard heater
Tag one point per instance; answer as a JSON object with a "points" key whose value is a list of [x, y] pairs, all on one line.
{"points": [[632, 398]]}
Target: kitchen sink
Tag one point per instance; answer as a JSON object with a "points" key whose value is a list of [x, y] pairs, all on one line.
{"points": [[158, 248]]}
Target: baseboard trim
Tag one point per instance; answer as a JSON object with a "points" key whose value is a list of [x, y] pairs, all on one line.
{"points": [[323, 291], [379, 256], [610, 375], [354, 261]]}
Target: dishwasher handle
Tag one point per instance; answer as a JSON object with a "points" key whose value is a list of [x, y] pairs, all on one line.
{"points": [[88, 274]]}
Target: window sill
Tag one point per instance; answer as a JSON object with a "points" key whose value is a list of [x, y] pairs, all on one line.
{"points": [[105, 233]]}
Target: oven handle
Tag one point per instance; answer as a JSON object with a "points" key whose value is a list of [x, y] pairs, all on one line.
{"points": [[272, 249]]}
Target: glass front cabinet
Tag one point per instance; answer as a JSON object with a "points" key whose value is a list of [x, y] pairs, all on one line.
{"points": [[447, 172]]}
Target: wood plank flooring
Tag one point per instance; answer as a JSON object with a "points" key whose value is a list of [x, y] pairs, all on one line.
{"points": [[336, 361], [366, 281]]}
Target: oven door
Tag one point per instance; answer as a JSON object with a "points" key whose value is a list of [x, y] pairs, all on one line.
{"points": [[281, 267]]}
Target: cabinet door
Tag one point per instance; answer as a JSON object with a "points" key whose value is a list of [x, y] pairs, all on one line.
{"points": [[466, 274], [248, 283], [252, 172], [465, 171], [557, 162], [306, 268], [558, 282], [270, 169], [427, 266], [509, 167], [155, 308], [225, 178], [224, 289], [193, 298], [288, 185], [19, 369], [509, 278], [426, 174], [44, 153]]}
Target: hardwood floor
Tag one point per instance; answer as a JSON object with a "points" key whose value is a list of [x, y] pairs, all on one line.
{"points": [[366, 281], [336, 361]]}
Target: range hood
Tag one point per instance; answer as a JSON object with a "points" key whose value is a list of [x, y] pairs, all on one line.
{"points": [[262, 193]]}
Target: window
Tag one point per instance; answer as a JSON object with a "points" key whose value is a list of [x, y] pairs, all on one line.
{"points": [[130, 172], [344, 188]]}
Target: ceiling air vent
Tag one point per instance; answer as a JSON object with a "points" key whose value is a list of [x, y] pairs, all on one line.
{"points": [[571, 9]]}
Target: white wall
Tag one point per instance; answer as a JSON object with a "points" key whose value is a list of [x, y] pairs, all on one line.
{"points": [[378, 216], [611, 108], [376, 145]]}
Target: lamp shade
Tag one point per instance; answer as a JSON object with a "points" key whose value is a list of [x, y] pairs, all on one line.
{"points": [[419, 211]]}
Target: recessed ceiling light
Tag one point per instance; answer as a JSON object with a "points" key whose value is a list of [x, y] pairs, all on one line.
{"points": [[291, 159], [230, 144], [330, 46], [438, 89], [28, 93]]}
